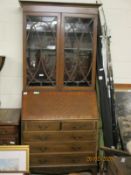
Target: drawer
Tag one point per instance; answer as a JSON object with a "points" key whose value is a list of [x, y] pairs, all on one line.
{"points": [[41, 125], [55, 159], [79, 125], [10, 140], [5, 130], [61, 147], [59, 136]]}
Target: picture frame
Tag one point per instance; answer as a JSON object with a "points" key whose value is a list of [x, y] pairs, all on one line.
{"points": [[123, 113], [14, 159], [14, 173]]}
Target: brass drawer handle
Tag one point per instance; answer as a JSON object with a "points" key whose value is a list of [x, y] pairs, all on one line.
{"points": [[3, 132], [76, 137], [76, 148], [74, 161], [42, 138], [45, 138], [75, 127], [43, 149], [42, 127], [78, 127], [42, 161]]}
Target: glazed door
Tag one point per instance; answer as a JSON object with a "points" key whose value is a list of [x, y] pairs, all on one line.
{"points": [[79, 51], [42, 45]]}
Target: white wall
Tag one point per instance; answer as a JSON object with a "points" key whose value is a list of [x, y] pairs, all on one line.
{"points": [[118, 13], [11, 47]]}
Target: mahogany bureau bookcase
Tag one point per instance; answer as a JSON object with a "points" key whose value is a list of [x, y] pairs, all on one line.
{"points": [[59, 105]]}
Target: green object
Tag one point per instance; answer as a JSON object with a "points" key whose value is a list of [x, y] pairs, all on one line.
{"points": [[100, 130]]}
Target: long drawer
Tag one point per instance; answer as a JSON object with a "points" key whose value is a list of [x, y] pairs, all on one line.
{"points": [[8, 140], [36, 136], [40, 147], [54, 159], [5, 130]]}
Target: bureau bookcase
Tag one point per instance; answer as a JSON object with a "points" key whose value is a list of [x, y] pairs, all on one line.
{"points": [[59, 105]]}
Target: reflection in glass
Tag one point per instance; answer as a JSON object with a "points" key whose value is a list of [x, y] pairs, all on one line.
{"points": [[41, 50], [78, 51]]}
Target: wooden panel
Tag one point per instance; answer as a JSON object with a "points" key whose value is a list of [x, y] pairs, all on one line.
{"points": [[61, 147], [122, 86], [8, 130], [109, 171], [41, 125], [8, 140], [66, 168], [65, 8], [113, 169], [59, 136], [120, 165], [9, 116], [54, 159], [79, 125], [59, 105]]}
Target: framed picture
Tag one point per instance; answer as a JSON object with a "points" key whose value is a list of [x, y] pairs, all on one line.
{"points": [[13, 173], [123, 113], [14, 158]]}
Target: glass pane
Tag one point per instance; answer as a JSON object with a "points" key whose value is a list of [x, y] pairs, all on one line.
{"points": [[41, 50], [78, 51]]}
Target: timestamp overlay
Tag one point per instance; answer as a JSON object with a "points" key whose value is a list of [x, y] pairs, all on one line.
{"points": [[95, 158]]}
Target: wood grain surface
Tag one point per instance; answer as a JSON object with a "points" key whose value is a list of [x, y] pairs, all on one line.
{"points": [[59, 105]]}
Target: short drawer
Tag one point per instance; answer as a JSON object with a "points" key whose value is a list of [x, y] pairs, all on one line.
{"points": [[79, 125], [10, 140], [41, 125], [60, 159], [61, 147], [59, 136], [5, 130]]}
